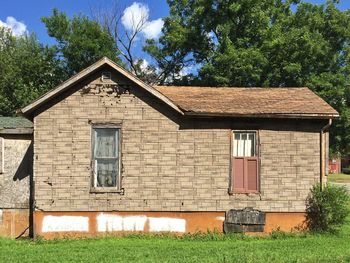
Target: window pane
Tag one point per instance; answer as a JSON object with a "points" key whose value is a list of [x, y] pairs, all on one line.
{"points": [[244, 144], [106, 157], [240, 145], [106, 143], [249, 145], [106, 172], [235, 144]]}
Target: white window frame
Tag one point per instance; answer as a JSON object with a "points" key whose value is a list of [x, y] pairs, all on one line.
{"points": [[254, 142], [93, 184]]}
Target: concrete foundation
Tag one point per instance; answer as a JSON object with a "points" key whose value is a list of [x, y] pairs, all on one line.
{"points": [[87, 224]]}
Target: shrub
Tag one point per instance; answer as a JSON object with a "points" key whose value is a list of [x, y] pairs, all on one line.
{"points": [[326, 209], [346, 170]]}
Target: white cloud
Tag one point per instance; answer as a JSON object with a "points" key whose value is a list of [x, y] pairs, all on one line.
{"points": [[184, 71], [144, 64], [135, 14], [145, 67], [17, 28], [138, 14], [153, 28]]}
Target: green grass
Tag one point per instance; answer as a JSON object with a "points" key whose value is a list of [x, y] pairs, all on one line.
{"points": [[201, 248], [211, 247], [339, 178]]}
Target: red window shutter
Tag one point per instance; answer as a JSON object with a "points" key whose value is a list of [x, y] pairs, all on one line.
{"points": [[252, 174], [245, 174], [238, 174]]}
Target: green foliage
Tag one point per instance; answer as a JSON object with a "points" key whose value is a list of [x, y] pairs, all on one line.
{"points": [[27, 70], [279, 234], [261, 43], [280, 247], [346, 170], [81, 41], [326, 209]]}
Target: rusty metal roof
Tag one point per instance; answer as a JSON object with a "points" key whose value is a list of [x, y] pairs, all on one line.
{"points": [[249, 102]]}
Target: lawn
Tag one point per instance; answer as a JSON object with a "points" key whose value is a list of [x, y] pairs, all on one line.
{"points": [[339, 178], [210, 248]]}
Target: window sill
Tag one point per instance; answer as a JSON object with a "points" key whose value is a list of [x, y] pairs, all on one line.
{"points": [[244, 193], [106, 190]]}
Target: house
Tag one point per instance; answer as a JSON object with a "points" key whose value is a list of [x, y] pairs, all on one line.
{"points": [[16, 155], [113, 154], [334, 165]]}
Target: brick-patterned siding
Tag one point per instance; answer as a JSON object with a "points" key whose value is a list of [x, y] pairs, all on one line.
{"points": [[170, 162]]}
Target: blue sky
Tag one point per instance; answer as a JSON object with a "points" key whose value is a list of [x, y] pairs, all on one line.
{"points": [[30, 12]]}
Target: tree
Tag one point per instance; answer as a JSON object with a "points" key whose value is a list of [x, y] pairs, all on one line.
{"points": [[27, 70], [125, 39], [81, 41], [261, 43]]}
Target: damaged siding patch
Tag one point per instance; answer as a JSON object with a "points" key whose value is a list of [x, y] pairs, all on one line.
{"points": [[65, 223], [166, 224], [120, 223]]}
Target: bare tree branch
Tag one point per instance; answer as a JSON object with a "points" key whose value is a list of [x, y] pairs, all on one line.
{"points": [[110, 19]]}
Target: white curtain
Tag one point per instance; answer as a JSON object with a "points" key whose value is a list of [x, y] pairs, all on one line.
{"points": [[244, 144], [106, 142]]}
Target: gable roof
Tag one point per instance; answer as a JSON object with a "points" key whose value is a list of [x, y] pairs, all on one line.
{"points": [[214, 101], [249, 102], [15, 125], [88, 71]]}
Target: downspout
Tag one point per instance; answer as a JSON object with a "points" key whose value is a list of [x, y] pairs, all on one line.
{"points": [[323, 152]]}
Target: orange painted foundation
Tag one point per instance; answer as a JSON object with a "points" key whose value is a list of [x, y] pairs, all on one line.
{"points": [[284, 221], [88, 224], [14, 222]]}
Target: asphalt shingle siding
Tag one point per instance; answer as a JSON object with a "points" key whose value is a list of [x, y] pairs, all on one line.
{"points": [[170, 163]]}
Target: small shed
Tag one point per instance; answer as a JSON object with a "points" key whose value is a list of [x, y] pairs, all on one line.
{"points": [[16, 158]]}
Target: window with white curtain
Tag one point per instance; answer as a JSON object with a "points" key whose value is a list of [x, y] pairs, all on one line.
{"points": [[245, 162], [106, 157], [244, 144]]}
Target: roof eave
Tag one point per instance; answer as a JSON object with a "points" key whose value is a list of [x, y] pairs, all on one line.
{"points": [[264, 115], [16, 131]]}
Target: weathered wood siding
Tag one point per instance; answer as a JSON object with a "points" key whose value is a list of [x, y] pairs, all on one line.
{"points": [[14, 184]]}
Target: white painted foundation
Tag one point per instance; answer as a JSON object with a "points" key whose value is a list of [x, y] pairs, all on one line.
{"points": [[108, 223], [221, 218], [113, 222], [65, 224], [166, 224]]}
